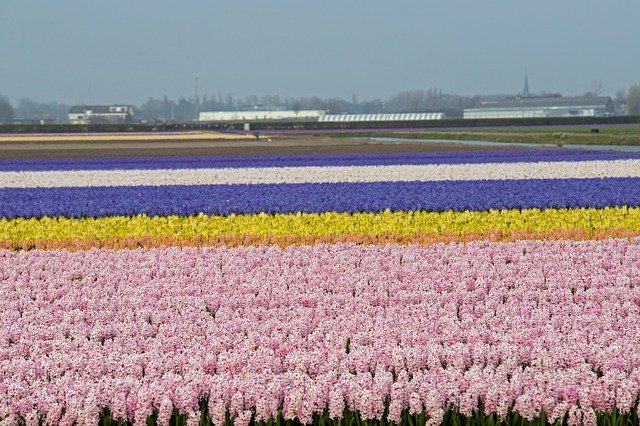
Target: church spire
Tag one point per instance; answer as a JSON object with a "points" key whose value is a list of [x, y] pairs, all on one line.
{"points": [[526, 85]]}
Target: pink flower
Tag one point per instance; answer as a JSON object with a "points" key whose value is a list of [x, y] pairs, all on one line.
{"points": [[243, 418], [217, 412], [336, 404], [164, 411], [575, 417], [193, 418], [589, 417]]}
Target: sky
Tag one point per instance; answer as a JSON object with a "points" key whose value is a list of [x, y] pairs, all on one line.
{"points": [[125, 51]]}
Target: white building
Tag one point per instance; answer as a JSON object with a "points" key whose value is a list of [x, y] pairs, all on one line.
{"points": [[93, 114], [540, 107], [241, 116]]}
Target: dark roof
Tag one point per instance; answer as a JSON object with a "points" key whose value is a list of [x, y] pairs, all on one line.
{"points": [[526, 102], [96, 109]]}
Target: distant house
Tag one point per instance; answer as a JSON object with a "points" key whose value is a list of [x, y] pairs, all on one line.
{"points": [[95, 114], [535, 107]]}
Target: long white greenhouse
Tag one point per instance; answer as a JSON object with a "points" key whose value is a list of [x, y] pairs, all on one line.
{"points": [[353, 118]]}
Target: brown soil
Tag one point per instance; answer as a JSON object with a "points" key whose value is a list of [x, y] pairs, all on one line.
{"points": [[273, 146]]}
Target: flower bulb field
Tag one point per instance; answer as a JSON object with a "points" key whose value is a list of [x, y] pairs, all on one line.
{"points": [[456, 288]]}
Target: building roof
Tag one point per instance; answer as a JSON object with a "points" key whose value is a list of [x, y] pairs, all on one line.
{"points": [[547, 102]]}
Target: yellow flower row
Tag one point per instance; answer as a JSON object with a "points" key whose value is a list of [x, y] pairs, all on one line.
{"points": [[321, 225]]}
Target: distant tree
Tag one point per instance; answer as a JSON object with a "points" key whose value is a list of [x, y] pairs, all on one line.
{"points": [[27, 109], [335, 106], [313, 102], [298, 104], [474, 102], [271, 102], [434, 98], [354, 103], [621, 96], [211, 103], [185, 110], [620, 102], [50, 111], [375, 106], [6, 111], [633, 100], [254, 101], [408, 101], [229, 103], [596, 87], [156, 109], [150, 110], [430, 100]]}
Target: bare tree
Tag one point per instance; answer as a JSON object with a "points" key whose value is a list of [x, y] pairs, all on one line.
{"points": [[6, 110], [596, 87], [620, 102], [621, 96], [633, 100]]}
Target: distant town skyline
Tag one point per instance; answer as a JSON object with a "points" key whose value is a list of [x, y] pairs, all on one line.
{"points": [[126, 52]]}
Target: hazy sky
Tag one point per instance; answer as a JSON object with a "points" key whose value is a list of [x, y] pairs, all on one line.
{"points": [[128, 50]]}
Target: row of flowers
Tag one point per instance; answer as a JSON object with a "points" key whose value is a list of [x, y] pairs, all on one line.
{"points": [[318, 197], [533, 327], [474, 157], [409, 226], [328, 174], [421, 238]]}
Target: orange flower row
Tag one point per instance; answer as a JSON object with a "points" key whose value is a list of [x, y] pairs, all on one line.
{"points": [[420, 238]]}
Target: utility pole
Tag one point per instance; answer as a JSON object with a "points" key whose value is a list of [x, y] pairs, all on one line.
{"points": [[197, 103]]}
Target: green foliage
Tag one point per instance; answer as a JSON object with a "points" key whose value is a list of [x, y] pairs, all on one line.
{"points": [[451, 417]]}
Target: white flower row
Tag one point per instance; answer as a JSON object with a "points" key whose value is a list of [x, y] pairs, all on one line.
{"points": [[279, 175]]}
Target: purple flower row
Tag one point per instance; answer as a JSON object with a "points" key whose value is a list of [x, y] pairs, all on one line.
{"points": [[475, 157], [319, 197]]}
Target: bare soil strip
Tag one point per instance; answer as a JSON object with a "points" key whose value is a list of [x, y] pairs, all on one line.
{"points": [[82, 148], [127, 137]]}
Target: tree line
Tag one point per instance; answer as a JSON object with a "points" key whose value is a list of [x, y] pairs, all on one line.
{"points": [[184, 109], [431, 100]]}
